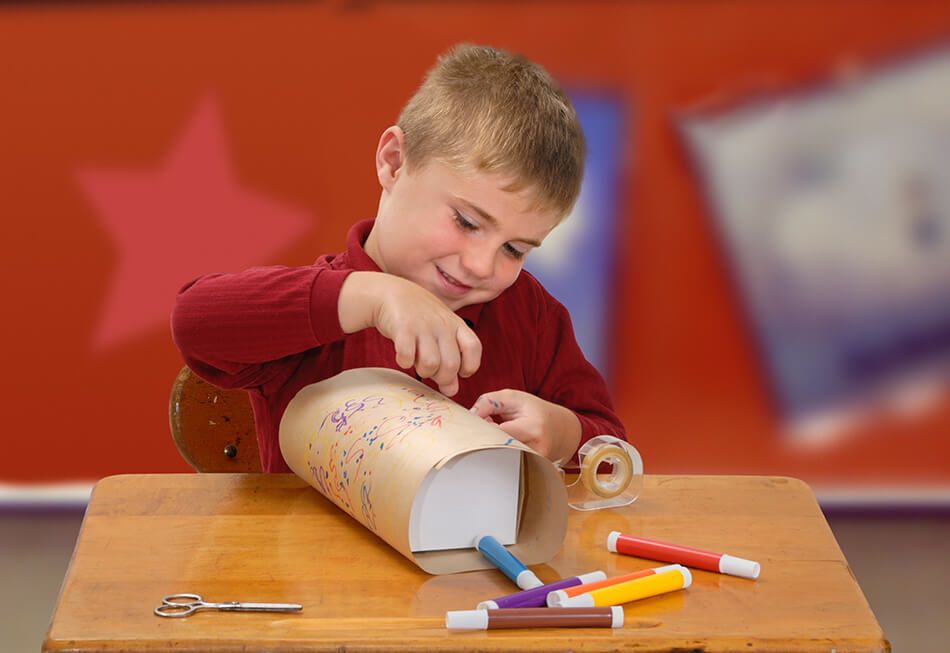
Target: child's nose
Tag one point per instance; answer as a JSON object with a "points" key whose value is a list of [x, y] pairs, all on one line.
{"points": [[479, 261]]}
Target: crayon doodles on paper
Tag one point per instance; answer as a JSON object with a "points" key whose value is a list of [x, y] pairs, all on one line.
{"points": [[348, 436]]}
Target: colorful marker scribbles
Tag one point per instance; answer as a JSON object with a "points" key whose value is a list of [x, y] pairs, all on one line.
{"points": [[348, 436]]}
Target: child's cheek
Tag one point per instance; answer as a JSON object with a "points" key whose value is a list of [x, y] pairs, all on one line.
{"points": [[510, 271]]}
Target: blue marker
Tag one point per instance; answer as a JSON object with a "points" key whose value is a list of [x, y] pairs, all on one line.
{"points": [[509, 565]]}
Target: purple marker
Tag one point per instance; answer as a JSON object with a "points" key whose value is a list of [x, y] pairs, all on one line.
{"points": [[537, 597]]}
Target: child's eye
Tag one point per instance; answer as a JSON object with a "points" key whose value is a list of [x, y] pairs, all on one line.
{"points": [[513, 252], [464, 223]]}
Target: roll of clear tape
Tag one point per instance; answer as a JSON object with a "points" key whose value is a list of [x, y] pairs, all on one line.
{"points": [[611, 475]]}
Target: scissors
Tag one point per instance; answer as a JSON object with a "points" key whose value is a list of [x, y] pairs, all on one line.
{"points": [[183, 605]]}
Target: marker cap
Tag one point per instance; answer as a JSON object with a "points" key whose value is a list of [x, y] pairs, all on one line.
{"points": [[487, 605], [612, 541], [466, 619], [687, 576], [591, 577], [554, 598], [527, 580], [579, 601], [738, 566], [617, 611]]}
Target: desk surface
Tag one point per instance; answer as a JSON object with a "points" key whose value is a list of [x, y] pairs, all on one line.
{"points": [[274, 538]]}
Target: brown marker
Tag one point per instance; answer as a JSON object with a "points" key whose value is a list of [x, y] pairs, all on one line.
{"points": [[598, 617]]}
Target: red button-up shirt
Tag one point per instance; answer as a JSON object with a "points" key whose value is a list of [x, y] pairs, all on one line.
{"points": [[274, 330]]}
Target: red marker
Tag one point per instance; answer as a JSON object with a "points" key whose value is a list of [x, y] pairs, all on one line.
{"points": [[683, 555]]}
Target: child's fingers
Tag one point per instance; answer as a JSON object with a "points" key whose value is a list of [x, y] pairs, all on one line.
{"points": [[528, 428], [482, 407], [528, 431], [405, 350], [501, 402], [450, 389], [428, 356], [447, 374], [470, 349]]}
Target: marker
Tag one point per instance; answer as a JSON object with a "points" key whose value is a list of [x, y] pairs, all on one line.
{"points": [[632, 590], [509, 565], [555, 597], [684, 555], [537, 596], [606, 617]]}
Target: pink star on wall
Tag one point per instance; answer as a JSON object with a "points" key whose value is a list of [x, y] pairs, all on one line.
{"points": [[188, 217]]}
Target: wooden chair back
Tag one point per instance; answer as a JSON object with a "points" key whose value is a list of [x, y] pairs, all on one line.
{"points": [[212, 428]]}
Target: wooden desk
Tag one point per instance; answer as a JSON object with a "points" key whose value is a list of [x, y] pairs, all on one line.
{"points": [[273, 538]]}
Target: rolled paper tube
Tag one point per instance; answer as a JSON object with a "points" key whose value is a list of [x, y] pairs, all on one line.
{"points": [[507, 562], [606, 617], [555, 597], [632, 590], [684, 555], [537, 596]]}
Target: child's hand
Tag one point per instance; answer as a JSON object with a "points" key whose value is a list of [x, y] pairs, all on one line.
{"points": [[551, 430], [426, 334]]}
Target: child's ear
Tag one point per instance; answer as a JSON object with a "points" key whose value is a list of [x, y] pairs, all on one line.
{"points": [[390, 156]]}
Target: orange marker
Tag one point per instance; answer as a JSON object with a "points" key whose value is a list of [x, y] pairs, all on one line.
{"points": [[557, 596], [676, 578]]}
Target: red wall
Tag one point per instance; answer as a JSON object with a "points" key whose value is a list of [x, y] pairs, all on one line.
{"points": [[109, 111]]}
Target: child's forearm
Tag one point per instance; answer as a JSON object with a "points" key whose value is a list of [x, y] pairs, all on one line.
{"points": [[566, 436], [358, 300], [227, 322]]}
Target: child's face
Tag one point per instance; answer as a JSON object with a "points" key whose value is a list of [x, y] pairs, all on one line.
{"points": [[457, 234]]}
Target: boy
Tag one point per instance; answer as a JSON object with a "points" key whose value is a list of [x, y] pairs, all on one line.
{"points": [[485, 160]]}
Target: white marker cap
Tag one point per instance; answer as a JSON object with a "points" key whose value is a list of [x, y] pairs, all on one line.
{"points": [[687, 576], [738, 567], [612, 541], [466, 619], [591, 577], [617, 611], [527, 580], [579, 601], [487, 605], [554, 598]]}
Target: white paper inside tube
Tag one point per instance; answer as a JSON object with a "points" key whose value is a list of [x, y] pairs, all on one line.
{"points": [[368, 438], [620, 486], [471, 495]]}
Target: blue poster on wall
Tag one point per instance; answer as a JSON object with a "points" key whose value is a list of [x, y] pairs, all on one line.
{"points": [[576, 262]]}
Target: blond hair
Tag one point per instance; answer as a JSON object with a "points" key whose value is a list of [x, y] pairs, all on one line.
{"points": [[493, 111]]}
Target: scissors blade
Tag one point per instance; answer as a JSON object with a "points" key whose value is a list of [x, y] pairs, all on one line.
{"points": [[244, 606]]}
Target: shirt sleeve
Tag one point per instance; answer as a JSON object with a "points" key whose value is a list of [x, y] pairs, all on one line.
{"points": [[565, 377], [245, 330]]}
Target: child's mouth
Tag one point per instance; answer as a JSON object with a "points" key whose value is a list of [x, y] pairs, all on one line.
{"points": [[452, 284]]}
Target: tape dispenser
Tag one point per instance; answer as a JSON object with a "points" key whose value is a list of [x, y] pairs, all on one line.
{"points": [[619, 481]]}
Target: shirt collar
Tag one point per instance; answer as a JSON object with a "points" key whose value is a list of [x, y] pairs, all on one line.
{"points": [[355, 238], [360, 260]]}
